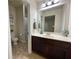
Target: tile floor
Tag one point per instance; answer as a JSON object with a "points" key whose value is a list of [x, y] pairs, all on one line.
{"points": [[20, 52]]}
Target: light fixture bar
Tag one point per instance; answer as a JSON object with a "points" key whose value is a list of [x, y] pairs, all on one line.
{"points": [[56, 1], [52, 6]]}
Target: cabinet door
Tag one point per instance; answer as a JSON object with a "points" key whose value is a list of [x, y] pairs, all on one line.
{"points": [[68, 53], [55, 52], [51, 49], [35, 44]]}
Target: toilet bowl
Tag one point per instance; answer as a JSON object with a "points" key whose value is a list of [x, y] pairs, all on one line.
{"points": [[14, 40]]}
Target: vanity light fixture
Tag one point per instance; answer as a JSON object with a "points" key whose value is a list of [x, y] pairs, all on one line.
{"points": [[43, 5], [56, 1], [49, 3]]}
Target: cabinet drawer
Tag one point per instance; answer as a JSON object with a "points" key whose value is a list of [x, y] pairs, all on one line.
{"points": [[57, 43]]}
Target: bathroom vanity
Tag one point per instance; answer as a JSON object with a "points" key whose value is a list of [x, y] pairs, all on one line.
{"points": [[53, 21], [50, 47]]}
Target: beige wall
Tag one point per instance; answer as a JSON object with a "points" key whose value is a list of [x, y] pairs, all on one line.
{"points": [[19, 19], [67, 14], [33, 13], [58, 12], [17, 13], [12, 13]]}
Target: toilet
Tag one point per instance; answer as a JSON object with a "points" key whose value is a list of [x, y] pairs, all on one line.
{"points": [[13, 38]]}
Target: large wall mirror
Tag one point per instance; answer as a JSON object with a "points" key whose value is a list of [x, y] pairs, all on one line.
{"points": [[55, 19], [49, 22], [52, 19]]}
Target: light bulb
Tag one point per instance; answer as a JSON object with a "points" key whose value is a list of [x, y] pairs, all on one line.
{"points": [[43, 5], [49, 3], [56, 1]]}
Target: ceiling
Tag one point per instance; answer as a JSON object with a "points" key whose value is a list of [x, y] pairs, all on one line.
{"points": [[20, 2]]}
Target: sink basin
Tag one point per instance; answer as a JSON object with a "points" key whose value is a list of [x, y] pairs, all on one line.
{"points": [[53, 34], [56, 36]]}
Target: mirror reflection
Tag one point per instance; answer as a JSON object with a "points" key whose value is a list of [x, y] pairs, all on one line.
{"points": [[54, 17]]}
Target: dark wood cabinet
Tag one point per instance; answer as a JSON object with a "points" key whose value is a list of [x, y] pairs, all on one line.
{"points": [[51, 49]]}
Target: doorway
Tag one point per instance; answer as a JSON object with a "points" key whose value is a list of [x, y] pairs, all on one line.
{"points": [[19, 16]]}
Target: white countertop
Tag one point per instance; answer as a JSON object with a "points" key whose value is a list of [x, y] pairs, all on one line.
{"points": [[53, 36]]}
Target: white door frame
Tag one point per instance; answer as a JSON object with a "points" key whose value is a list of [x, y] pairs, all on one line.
{"points": [[29, 26]]}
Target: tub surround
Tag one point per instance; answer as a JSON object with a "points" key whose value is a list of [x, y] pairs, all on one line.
{"points": [[53, 36]]}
